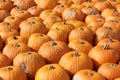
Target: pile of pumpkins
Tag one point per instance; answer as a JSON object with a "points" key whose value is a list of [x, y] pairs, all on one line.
{"points": [[59, 39]]}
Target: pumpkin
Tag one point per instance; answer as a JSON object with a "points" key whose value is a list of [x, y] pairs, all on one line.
{"points": [[88, 74], [63, 26], [110, 71], [3, 14], [15, 39], [24, 4], [12, 73], [110, 11], [74, 61], [43, 15], [46, 4], [35, 10], [101, 5], [52, 51], [113, 17], [14, 10], [29, 27], [78, 5], [76, 23], [73, 13], [60, 8], [105, 32], [57, 34], [114, 2], [52, 72], [103, 54], [66, 2], [81, 33], [6, 4], [4, 61], [34, 18], [30, 62], [80, 45], [93, 28], [13, 19], [8, 33], [12, 50], [36, 40], [50, 20], [113, 43]]}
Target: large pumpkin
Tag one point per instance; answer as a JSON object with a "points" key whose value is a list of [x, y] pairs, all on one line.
{"points": [[30, 62], [51, 72], [74, 61], [52, 51]]}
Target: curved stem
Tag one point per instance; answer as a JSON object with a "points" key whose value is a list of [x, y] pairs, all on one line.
{"points": [[76, 54], [106, 47], [9, 69], [113, 65], [51, 67], [16, 45], [90, 74], [53, 44]]}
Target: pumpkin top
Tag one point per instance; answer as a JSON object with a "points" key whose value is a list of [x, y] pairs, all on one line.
{"points": [[113, 65], [51, 67], [15, 37], [90, 74], [9, 69], [76, 54], [53, 44], [106, 47], [16, 45]]}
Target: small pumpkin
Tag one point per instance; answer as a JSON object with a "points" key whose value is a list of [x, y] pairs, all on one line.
{"points": [[12, 50], [103, 54], [80, 46], [30, 62], [88, 74], [3, 14], [52, 72], [74, 61], [36, 40], [12, 73], [52, 51], [110, 71]]}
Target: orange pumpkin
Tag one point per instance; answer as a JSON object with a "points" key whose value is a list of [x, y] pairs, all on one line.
{"points": [[36, 40], [103, 54], [12, 73], [30, 62], [74, 61], [110, 71], [3, 14], [52, 72], [52, 51], [80, 45], [117, 78], [114, 2], [12, 50], [88, 74], [113, 17]]}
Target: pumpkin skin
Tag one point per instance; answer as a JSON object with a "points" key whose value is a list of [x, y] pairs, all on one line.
{"points": [[24, 4], [89, 3], [81, 1], [110, 71], [4, 61], [76, 23], [105, 32], [103, 54], [113, 43], [73, 61], [36, 40], [12, 73], [88, 74], [114, 2], [12, 50], [66, 2], [58, 34], [117, 7], [52, 51], [6, 4], [52, 72], [63, 26], [78, 5], [13, 19], [8, 33], [73, 13], [50, 20], [113, 17], [46, 13], [35, 10], [29, 27], [30, 62], [15, 39], [80, 45], [117, 79], [3, 14], [46, 4], [81, 33]]}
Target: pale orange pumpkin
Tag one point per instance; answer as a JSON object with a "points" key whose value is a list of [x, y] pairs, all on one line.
{"points": [[74, 61]]}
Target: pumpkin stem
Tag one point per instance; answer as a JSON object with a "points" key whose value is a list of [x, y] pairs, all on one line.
{"points": [[9, 69], [3, 0], [15, 37], [57, 28], [79, 3], [9, 30], [81, 28], [7, 23], [106, 47], [64, 22], [109, 28], [53, 44], [89, 0], [51, 67], [82, 42], [16, 45], [12, 17], [49, 11], [90, 74], [115, 21], [76, 54], [28, 53], [32, 22], [113, 0], [62, 5], [110, 39], [41, 35], [113, 65]]}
